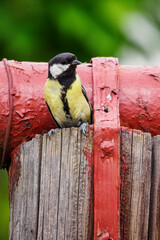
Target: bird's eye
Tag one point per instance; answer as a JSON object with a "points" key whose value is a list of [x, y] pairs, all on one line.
{"points": [[63, 62]]}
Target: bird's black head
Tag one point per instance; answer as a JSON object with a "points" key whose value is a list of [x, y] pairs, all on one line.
{"points": [[62, 66]]}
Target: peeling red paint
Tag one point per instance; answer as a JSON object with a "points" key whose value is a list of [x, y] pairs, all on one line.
{"points": [[107, 148], [140, 98]]}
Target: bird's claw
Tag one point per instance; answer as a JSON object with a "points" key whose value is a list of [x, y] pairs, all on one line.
{"points": [[52, 131], [84, 128]]}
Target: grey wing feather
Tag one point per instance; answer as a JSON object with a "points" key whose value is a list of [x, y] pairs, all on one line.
{"points": [[85, 94]]}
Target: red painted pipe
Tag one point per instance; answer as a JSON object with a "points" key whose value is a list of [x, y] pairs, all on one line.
{"points": [[139, 98]]}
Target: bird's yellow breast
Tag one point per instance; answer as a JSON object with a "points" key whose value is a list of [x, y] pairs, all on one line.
{"points": [[78, 105], [52, 95]]}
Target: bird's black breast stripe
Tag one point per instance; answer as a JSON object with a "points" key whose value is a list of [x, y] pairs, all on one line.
{"points": [[65, 103]]}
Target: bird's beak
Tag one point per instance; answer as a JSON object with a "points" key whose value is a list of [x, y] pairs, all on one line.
{"points": [[76, 62]]}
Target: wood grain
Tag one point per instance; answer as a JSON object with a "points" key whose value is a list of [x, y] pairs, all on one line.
{"points": [[25, 196], [53, 198], [154, 223], [136, 154], [51, 187]]}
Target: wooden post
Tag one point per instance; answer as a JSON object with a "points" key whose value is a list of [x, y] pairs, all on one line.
{"points": [[154, 221], [51, 187], [136, 157]]}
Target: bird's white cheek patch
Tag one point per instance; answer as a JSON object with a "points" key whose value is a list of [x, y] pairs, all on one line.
{"points": [[57, 69]]}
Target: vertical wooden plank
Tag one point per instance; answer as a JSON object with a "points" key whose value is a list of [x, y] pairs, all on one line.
{"points": [[125, 190], [141, 183], [106, 148], [69, 186], [85, 197], [68, 196], [135, 184], [24, 175], [154, 219], [51, 187]]}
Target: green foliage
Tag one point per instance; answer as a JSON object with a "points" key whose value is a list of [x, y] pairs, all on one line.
{"points": [[37, 30], [4, 205]]}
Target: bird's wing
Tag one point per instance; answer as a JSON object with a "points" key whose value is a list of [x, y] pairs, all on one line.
{"points": [[52, 116], [85, 94]]}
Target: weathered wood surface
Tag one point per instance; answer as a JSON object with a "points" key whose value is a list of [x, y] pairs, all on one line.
{"points": [[136, 155], [51, 195], [154, 222], [51, 187]]}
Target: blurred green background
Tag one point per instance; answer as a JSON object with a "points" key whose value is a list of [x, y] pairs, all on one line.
{"points": [[37, 30]]}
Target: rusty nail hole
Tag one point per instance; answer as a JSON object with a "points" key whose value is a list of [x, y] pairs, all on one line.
{"points": [[105, 109], [114, 92]]}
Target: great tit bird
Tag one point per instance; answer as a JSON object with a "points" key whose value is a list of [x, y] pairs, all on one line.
{"points": [[64, 93]]}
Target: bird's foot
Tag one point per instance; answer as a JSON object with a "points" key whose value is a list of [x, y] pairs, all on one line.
{"points": [[52, 131], [84, 128]]}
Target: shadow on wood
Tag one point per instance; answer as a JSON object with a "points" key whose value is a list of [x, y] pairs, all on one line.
{"points": [[53, 196]]}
